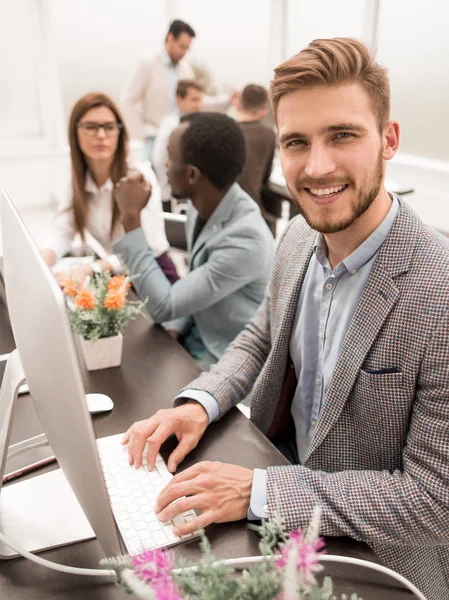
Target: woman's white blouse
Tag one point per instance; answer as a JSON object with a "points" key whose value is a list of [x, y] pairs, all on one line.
{"points": [[100, 215]]}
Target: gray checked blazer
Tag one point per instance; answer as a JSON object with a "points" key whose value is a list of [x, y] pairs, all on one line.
{"points": [[378, 463]]}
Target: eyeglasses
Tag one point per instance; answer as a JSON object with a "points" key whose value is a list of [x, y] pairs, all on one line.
{"points": [[91, 129]]}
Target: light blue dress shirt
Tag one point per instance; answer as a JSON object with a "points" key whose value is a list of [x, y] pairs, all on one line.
{"points": [[326, 305]]}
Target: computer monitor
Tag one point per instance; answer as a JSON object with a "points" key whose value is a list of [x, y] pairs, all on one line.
{"points": [[50, 363]]}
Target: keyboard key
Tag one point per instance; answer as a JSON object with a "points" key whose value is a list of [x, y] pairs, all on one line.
{"points": [[160, 537], [179, 520], [144, 534], [168, 529], [149, 517], [121, 515]]}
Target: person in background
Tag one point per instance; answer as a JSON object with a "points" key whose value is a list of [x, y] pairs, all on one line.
{"points": [[151, 93], [99, 159], [189, 99], [251, 108], [231, 248], [347, 359]]}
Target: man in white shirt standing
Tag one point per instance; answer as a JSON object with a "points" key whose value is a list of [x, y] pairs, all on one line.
{"points": [[150, 95], [189, 98]]}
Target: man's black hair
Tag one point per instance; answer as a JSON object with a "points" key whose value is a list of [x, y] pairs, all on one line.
{"points": [[214, 143], [177, 27]]}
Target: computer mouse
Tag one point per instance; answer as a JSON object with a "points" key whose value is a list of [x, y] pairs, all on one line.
{"points": [[97, 403]]}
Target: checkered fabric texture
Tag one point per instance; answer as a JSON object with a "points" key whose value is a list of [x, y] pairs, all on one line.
{"points": [[378, 463]]}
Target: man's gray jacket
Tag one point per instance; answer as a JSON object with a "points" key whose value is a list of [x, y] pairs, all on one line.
{"points": [[230, 265]]}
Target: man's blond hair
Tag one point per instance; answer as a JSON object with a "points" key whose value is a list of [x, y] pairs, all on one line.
{"points": [[332, 62]]}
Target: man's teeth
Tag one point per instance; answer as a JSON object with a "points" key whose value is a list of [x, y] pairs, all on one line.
{"points": [[326, 191]]}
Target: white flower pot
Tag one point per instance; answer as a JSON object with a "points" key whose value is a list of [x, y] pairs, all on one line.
{"points": [[102, 353]]}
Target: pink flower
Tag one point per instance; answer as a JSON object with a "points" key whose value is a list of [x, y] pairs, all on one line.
{"points": [[164, 588], [308, 556], [153, 564]]}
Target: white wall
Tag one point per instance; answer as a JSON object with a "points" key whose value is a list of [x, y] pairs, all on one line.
{"points": [[414, 45], [97, 42], [64, 48]]}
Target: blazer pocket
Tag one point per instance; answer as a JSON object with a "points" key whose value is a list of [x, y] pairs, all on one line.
{"points": [[381, 379], [384, 371], [381, 399]]}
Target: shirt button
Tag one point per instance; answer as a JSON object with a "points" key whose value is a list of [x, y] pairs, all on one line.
{"points": [[328, 286], [318, 381], [354, 271], [321, 335], [313, 423], [265, 508]]}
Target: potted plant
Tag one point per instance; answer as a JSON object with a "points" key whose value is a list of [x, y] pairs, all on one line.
{"points": [[99, 310]]}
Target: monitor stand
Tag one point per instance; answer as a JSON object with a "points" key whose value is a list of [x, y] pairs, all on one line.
{"points": [[41, 512]]}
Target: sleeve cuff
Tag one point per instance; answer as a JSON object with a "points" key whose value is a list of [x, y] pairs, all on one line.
{"points": [[206, 400], [116, 264], [258, 507], [130, 241]]}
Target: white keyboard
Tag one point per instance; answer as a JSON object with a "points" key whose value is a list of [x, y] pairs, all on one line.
{"points": [[133, 494]]}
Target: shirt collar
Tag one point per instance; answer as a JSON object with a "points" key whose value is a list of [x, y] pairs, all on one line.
{"points": [[365, 251], [167, 60], [91, 186]]}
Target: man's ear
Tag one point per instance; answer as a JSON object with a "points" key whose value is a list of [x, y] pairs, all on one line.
{"points": [[193, 174], [390, 140]]}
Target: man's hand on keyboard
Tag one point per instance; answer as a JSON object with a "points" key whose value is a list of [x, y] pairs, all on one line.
{"points": [[188, 422], [221, 491]]}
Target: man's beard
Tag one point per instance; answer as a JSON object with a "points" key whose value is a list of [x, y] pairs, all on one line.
{"points": [[359, 206]]}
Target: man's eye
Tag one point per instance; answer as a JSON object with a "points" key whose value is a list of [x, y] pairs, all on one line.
{"points": [[90, 126], [110, 126], [295, 143], [344, 135]]}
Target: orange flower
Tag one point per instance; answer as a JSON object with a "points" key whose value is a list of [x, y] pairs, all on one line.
{"points": [[118, 282], [114, 300], [85, 299], [70, 286]]}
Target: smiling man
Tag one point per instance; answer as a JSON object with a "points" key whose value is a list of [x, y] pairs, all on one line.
{"points": [[347, 360]]}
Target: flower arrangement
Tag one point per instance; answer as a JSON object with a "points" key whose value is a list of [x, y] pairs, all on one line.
{"points": [[99, 308], [285, 571]]}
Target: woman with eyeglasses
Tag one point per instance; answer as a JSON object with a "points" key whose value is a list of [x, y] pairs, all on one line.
{"points": [[99, 158]]}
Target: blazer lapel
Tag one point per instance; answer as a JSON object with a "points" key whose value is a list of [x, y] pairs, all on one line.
{"points": [[192, 214], [221, 214], [266, 412]]}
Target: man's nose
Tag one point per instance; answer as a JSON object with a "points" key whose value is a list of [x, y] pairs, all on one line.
{"points": [[320, 162]]}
